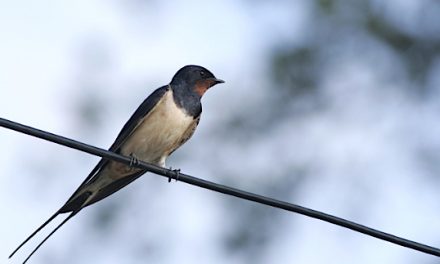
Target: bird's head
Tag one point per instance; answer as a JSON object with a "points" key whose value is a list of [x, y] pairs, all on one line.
{"points": [[196, 78]]}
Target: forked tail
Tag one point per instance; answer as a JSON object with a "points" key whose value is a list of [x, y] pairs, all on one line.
{"points": [[83, 198], [34, 233]]}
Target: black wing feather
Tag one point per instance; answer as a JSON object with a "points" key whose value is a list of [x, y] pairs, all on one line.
{"points": [[125, 132], [75, 205], [114, 186], [137, 116]]}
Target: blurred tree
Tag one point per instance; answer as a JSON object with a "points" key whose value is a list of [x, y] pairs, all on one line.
{"points": [[297, 69]]}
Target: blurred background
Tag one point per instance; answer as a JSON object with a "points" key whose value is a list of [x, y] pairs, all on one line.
{"points": [[330, 104]]}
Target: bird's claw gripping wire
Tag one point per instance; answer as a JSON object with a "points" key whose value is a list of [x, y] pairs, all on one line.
{"points": [[134, 161], [177, 172]]}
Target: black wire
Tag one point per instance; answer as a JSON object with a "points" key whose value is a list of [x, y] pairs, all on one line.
{"points": [[220, 188]]}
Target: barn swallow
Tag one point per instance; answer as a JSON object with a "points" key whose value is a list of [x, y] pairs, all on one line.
{"points": [[160, 125]]}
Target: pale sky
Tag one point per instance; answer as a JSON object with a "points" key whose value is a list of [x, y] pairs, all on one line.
{"points": [[363, 148]]}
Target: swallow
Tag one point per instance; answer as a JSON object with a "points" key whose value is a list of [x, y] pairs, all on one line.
{"points": [[160, 125]]}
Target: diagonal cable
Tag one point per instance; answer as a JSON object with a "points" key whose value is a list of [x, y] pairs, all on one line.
{"points": [[220, 188]]}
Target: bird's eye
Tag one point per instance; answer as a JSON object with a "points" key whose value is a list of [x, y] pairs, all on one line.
{"points": [[202, 73]]}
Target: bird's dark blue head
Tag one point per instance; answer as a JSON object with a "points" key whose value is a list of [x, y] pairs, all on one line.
{"points": [[196, 78]]}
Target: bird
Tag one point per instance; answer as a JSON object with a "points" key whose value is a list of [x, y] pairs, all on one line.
{"points": [[163, 122]]}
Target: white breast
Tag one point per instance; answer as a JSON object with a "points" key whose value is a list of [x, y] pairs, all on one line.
{"points": [[160, 132]]}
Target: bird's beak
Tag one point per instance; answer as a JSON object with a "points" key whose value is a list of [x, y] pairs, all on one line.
{"points": [[218, 81]]}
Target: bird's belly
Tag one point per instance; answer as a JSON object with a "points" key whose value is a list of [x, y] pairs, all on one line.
{"points": [[160, 133]]}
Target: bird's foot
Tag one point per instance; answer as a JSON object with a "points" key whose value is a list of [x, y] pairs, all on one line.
{"points": [[134, 161], [177, 172]]}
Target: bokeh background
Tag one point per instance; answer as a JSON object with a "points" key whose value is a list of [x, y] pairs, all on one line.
{"points": [[330, 104]]}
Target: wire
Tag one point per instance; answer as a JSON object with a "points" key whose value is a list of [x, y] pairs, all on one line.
{"points": [[177, 175]]}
